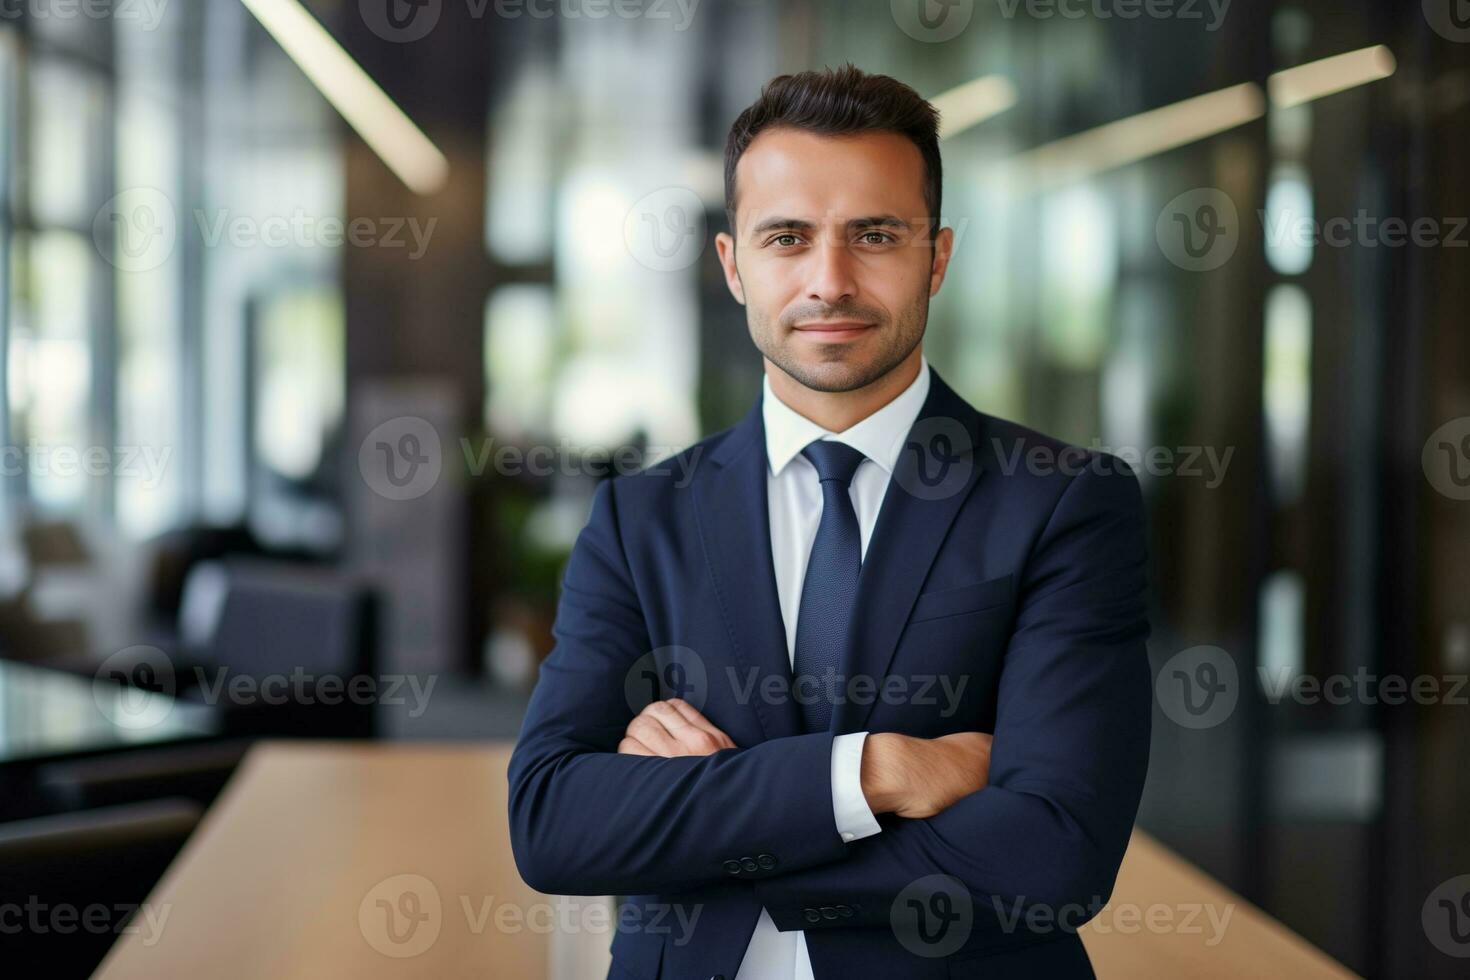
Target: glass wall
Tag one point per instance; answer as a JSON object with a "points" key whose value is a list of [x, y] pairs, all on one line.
{"points": [[149, 162]]}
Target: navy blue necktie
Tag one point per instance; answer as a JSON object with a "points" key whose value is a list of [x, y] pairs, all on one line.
{"points": [[830, 587]]}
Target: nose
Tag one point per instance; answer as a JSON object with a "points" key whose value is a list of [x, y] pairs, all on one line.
{"points": [[832, 280]]}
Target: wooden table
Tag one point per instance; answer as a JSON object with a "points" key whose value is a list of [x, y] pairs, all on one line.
{"points": [[284, 876], [1167, 919], [381, 860]]}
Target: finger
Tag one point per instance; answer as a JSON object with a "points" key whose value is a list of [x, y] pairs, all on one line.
{"points": [[692, 739], [673, 720], [691, 714], [631, 746], [649, 729]]}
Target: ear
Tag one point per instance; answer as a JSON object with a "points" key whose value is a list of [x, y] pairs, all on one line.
{"points": [[943, 252], [725, 247]]}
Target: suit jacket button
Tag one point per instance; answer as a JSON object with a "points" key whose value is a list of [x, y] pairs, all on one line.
{"points": [[811, 915], [766, 861], [732, 867], [828, 912], [749, 864]]}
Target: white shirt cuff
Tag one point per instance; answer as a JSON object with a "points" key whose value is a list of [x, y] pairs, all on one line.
{"points": [[854, 817]]}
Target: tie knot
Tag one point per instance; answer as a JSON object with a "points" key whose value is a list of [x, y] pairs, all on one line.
{"points": [[834, 460]]}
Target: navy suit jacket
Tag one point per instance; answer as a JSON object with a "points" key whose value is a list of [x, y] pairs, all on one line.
{"points": [[1003, 563]]}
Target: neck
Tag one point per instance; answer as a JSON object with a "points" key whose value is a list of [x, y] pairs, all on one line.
{"points": [[837, 411]]}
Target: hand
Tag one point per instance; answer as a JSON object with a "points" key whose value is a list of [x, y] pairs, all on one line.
{"points": [[670, 728], [920, 777]]}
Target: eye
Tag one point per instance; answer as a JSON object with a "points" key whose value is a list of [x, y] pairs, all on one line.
{"points": [[877, 238], [785, 241]]}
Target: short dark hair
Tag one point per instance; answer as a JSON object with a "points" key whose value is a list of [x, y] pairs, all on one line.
{"points": [[840, 102]]}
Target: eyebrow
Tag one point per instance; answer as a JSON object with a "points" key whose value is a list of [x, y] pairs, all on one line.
{"points": [[803, 225]]}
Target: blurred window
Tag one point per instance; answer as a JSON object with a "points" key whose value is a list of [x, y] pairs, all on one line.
{"points": [[60, 456], [520, 357]]}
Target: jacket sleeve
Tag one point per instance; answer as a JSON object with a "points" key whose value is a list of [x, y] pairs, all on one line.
{"points": [[587, 821], [1071, 741]]}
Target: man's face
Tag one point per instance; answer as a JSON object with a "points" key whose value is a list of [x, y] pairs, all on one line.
{"points": [[834, 264]]}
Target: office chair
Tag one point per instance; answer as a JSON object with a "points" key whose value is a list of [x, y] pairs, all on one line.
{"points": [[286, 628]]}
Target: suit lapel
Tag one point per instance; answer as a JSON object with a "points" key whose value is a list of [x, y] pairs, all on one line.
{"points": [[934, 475], [734, 523]]}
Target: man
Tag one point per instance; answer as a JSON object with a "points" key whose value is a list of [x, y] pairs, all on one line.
{"points": [[852, 592]]}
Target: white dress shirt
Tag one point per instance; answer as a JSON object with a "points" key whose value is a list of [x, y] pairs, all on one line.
{"points": [[794, 496]]}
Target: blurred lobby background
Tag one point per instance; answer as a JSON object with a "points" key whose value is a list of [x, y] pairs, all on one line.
{"points": [[255, 256]]}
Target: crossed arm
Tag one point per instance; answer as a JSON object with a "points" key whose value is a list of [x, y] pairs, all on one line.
{"points": [[910, 777], [599, 805]]}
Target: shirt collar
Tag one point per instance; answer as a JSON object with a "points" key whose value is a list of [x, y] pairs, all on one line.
{"points": [[879, 437]]}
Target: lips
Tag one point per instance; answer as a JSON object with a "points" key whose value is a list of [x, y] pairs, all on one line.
{"points": [[835, 330]]}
